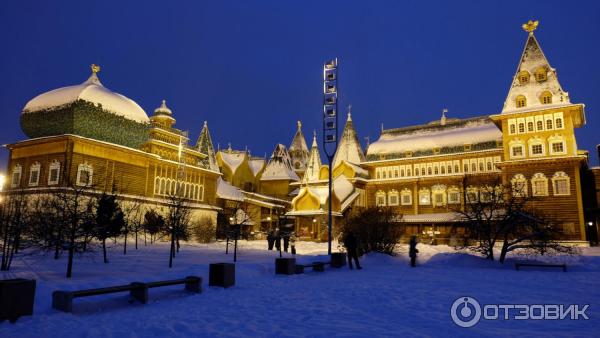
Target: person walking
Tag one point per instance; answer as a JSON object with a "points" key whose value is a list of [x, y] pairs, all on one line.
{"points": [[412, 251], [293, 243], [351, 244], [286, 241], [270, 240]]}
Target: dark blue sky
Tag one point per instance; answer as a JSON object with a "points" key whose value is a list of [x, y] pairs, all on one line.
{"points": [[252, 68]]}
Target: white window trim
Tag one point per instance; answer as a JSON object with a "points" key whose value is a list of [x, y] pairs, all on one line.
{"points": [[512, 146], [379, 194], [472, 190], [404, 193], [559, 176], [535, 142], [519, 178], [17, 169], [539, 177], [37, 168], [452, 191], [85, 167], [393, 193], [54, 165], [424, 197]]}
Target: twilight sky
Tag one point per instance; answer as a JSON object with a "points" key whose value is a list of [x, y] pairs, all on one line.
{"points": [[253, 68]]}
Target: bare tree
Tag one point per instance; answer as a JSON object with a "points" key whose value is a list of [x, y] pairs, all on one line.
{"points": [[504, 214], [177, 222], [14, 215]]}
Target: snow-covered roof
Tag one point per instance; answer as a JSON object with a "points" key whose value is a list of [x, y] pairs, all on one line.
{"points": [[313, 166], [532, 61], [205, 146], [256, 165], [426, 137], [298, 149], [349, 148], [232, 159], [434, 218], [279, 166], [91, 91], [228, 192]]}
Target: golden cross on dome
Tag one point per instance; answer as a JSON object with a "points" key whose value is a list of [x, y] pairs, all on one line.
{"points": [[530, 26], [95, 68]]}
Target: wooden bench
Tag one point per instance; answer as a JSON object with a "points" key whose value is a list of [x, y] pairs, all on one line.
{"points": [[541, 265], [63, 300]]}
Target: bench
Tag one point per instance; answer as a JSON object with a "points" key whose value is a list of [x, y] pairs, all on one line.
{"points": [[541, 265], [316, 266], [63, 300]]}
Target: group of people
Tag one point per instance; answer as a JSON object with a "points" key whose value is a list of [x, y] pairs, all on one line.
{"points": [[275, 237]]}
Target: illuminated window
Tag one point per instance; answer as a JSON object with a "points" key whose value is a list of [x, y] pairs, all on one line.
{"points": [[439, 195], [472, 194], [537, 149], [541, 74], [422, 171], [436, 171], [380, 198], [408, 173], [34, 174], [561, 184], [443, 170], [424, 197], [453, 195], [393, 197], [85, 174], [530, 126], [517, 151], [429, 171], [402, 172], [489, 166], [406, 197], [521, 101], [519, 185], [449, 169], [466, 166], [456, 169], [540, 125], [546, 97], [524, 77], [54, 173], [558, 147], [521, 128], [548, 124], [559, 123], [473, 167], [513, 129], [539, 185], [481, 166]]}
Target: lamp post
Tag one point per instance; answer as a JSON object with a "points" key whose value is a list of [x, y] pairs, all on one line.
{"points": [[330, 128]]}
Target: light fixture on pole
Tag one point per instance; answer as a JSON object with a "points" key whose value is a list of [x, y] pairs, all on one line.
{"points": [[330, 129]]}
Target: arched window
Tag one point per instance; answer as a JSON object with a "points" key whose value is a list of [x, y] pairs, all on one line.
{"points": [[481, 168], [402, 172], [408, 173], [523, 77], [539, 185], [530, 126], [443, 170], [548, 124], [406, 196], [521, 128], [456, 168], [540, 125], [438, 192], [85, 174], [558, 123], [424, 197], [557, 145], [466, 166], [380, 198], [384, 174], [489, 166], [34, 174], [429, 171], [473, 167], [453, 195], [519, 185], [521, 101], [472, 194], [393, 197], [15, 178], [436, 170], [54, 173], [541, 74], [546, 97], [422, 171], [513, 129], [536, 147], [449, 168], [561, 184]]}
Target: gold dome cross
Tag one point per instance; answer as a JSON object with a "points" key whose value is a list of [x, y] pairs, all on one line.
{"points": [[95, 68]]}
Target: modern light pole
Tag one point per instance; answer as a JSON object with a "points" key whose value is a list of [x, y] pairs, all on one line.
{"points": [[330, 128]]}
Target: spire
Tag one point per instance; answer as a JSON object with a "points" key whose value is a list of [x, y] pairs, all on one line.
{"points": [[163, 109], [349, 148], [535, 83], [298, 150], [205, 146], [93, 79], [279, 166], [313, 165], [443, 118]]}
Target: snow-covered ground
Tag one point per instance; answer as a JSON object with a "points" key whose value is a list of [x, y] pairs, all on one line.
{"points": [[385, 299]]}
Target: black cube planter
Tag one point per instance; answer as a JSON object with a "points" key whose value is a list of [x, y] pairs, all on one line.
{"points": [[16, 298], [221, 274], [285, 266], [338, 259]]}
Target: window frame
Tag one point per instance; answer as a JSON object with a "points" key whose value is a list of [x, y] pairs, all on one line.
{"points": [[85, 167], [558, 177], [36, 168], [54, 165]]}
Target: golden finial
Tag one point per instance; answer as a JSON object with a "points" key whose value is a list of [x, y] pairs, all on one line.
{"points": [[299, 124], [530, 26], [95, 68]]}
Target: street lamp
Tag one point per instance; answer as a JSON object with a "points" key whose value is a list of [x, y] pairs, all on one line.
{"points": [[330, 129]]}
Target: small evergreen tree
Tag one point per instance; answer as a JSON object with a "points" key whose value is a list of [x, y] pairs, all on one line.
{"points": [[109, 220]]}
